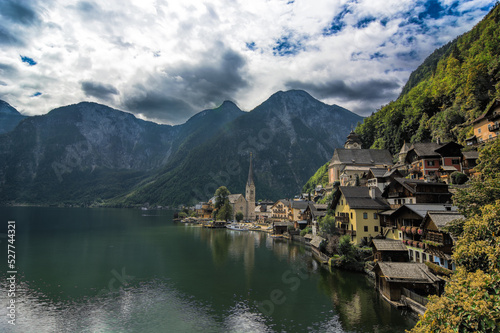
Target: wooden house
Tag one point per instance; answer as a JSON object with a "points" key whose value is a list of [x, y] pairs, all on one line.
{"points": [[389, 250], [356, 212], [405, 224], [438, 242], [381, 177], [279, 228], [393, 278], [411, 191], [469, 162]]}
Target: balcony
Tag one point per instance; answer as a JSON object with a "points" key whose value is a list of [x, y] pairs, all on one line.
{"points": [[396, 194], [493, 128], [342, 219], [347, 232]]}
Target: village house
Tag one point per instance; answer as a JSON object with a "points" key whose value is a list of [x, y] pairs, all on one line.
{"points": [[389, 250], [381, 177], [297, 209], [204, 210], [352, 162], [263, 212], [469, 162], [402, 191], [438, 242], [405, 224], [486, 127], [431, 160], [395, 280], [280, 210], [356, 211]]}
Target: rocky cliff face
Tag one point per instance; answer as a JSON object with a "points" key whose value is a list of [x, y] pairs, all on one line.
{"points": [[89, 152]]}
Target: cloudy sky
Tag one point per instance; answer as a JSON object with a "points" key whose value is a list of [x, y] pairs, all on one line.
{"points": [[165, 60]]}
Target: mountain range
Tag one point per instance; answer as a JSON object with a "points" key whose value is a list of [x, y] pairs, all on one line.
{"points": [[89, 153]]}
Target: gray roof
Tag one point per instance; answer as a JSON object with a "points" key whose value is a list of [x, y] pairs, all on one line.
{"points": [[320, 206], [471, 155], [389, 245], [300, 204], [427, 149], [362, 156], [378, 172], [442, 218], [283, 224], [407, 272], [234, 197], [422, 209], [359, 197], [316, 240]]}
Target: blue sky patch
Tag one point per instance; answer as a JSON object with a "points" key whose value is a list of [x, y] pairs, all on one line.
{"points": [[36, 94], [28, 60], [337, 23], [251, 46], [285, 47], [363, 23]]}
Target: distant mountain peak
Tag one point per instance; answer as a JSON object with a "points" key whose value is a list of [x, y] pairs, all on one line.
{"points": [[6, 108]]}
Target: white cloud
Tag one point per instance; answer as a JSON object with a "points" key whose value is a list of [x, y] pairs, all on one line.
{"points": [[168, 59]]}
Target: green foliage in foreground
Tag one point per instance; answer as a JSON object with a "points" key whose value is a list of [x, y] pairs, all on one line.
{"points": [[471, 299], [449, 90]]}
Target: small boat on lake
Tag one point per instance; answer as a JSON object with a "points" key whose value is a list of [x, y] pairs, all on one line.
{"points": [[237, 227]]}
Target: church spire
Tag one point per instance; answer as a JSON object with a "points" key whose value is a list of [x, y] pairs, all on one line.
{"points": [[250, 172]]}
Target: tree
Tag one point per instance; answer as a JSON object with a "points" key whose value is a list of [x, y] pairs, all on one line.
{"points": [[239, 216], [471, 297], [458, 178], [222, 207], [327, 224]]}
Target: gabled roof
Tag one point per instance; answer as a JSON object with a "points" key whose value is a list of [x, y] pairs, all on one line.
{"points": [[234, 197], [285, 202], [442, 218], [388, 245], [488, 112], [362, 156], [406, 272], [358, 197], [300, 204], [427, 149], [422, 209], [378, 172], [411, 184]]}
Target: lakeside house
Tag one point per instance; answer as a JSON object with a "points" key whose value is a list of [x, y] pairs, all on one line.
{"points": [[389, 250], [438, 241], [402, 191], [356, 212], [397, 279]]}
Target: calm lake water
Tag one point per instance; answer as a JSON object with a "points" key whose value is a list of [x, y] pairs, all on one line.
{"points": [[118, 270]]}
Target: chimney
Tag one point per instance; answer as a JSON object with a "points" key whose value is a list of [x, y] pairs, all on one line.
{"points": [[372, 192], [438, 141]]}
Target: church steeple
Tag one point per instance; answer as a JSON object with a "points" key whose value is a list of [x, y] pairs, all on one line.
{"points": [[250, 173], [250, 193]]}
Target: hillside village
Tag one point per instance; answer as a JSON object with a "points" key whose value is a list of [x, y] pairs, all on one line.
{"points": [[400, 206]]}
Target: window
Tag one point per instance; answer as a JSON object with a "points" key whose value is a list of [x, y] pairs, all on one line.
{"points": [[455, 161], [424, 257], [365, 215], [417, 255], [375, 216], [479, 130], [365, 228], [375, 228], [351, 215], [430, 163], [432, 173]]}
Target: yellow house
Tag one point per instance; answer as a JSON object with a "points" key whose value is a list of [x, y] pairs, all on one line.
{"points": [[356, 212], [486, 127]]}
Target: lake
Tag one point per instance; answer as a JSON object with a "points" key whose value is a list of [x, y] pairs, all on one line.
{"points": [[123, 270]]}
